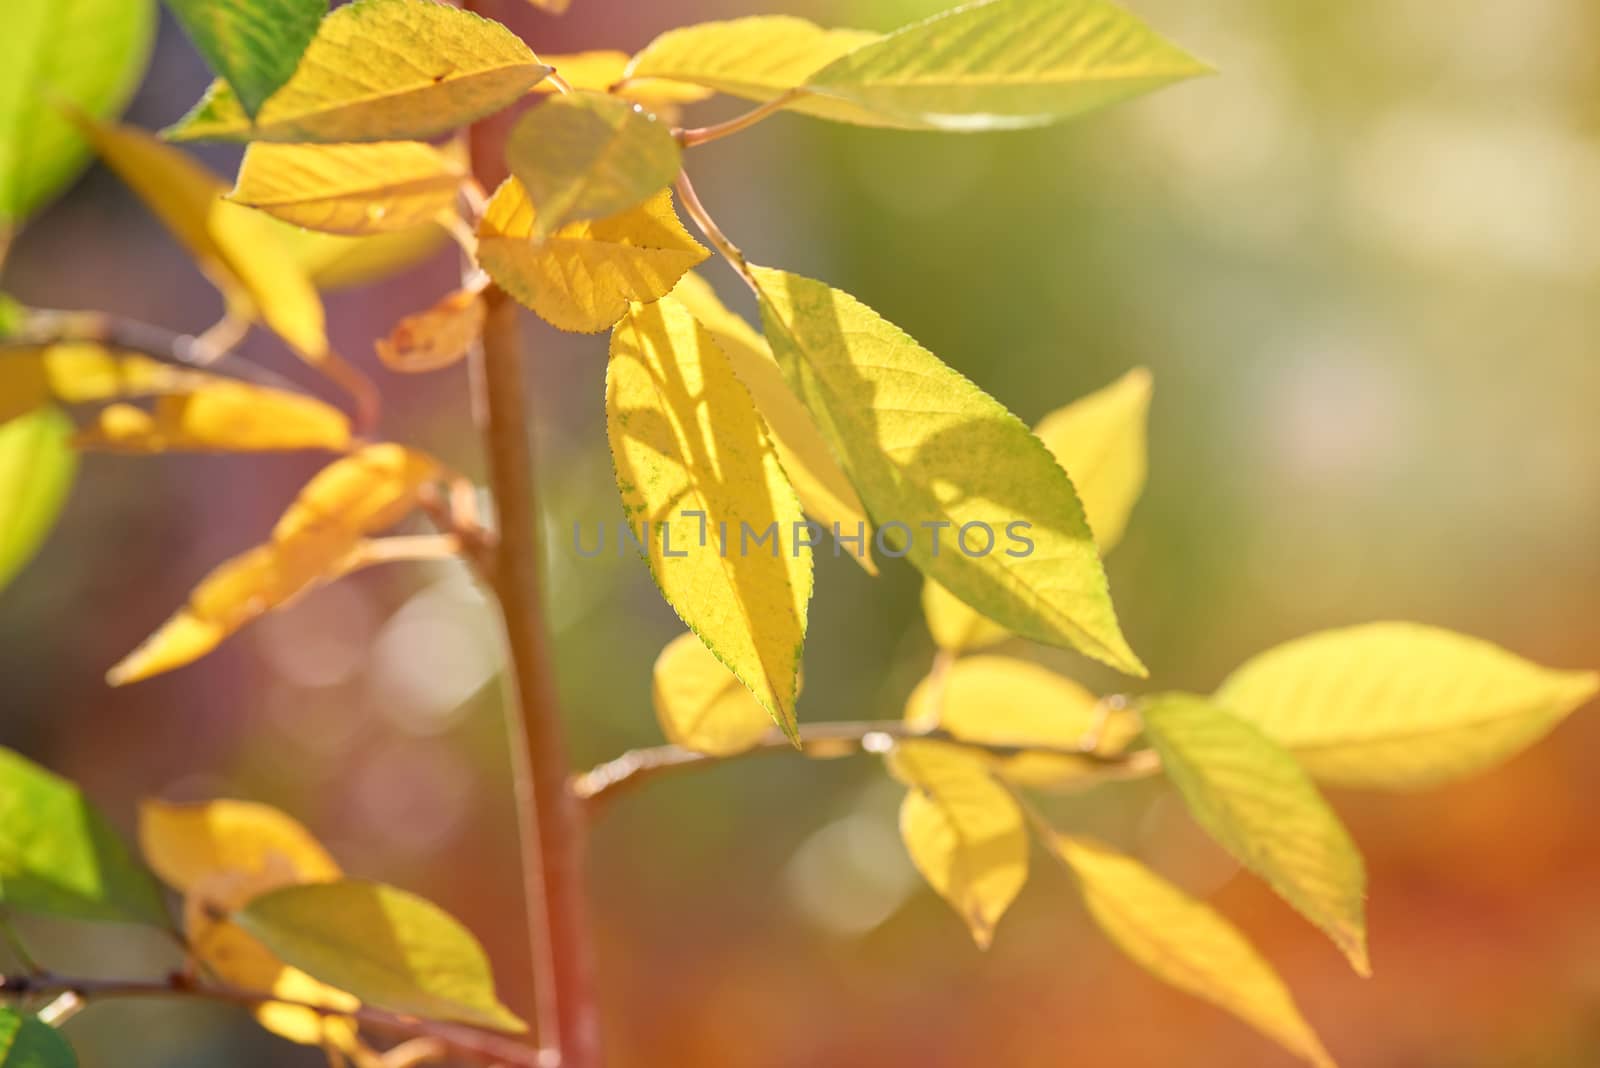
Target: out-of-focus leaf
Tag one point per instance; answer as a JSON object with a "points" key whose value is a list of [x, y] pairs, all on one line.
{"points": [[555, 7], [85, 53], [72, 372], [219, 417], [1100, 440], [996, 700], [37, 466], [60, 857], [824, 489], [701, 705], [1004, 64], [1251, 796], [693, 461], [964, 831], [387, 947], [380, 70], [582, 277], [253, 44], [29, 1042], [337, 261], [316, 540], [435, 338], [1184, 942], [349, 189], [924, 446], [1401, 705], [586, 156]]}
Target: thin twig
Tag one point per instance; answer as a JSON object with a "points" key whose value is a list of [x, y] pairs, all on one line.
{"points": [[699, 135], [708, 226]]}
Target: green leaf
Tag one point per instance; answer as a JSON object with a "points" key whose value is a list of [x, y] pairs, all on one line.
{"points": [[58, 855], [88, 53], [28, 1042], [1183, 942], [1401, 705], [693, 461], [924, 446], [37, 466], [589, 156], [387, 947], [1251, 796], [1005, 64], [254, 44], [380, 70], [964, 831]]}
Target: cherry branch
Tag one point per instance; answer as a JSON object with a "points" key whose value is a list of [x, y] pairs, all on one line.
{"points": [[699, 135]]}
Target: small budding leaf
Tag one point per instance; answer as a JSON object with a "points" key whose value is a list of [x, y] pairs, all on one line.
{"points": [[436, 338], [253, 44], [28, 1042], [1401, 705], [1251, 796], [1004, 64], [582, 277], [59, 856], [86, 54], [349, 189], [964, 831], [935, 455], [385, 946], [1100, 440], [701, 705], [37, 468], [1186, 943], [588, 156], [380, 70], [824, 489], [222, 416], [703, 491]]}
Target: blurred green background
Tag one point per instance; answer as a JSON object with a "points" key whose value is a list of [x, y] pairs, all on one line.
{"points": [[1363, 264]]}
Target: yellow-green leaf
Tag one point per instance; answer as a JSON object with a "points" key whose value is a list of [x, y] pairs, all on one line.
{"points": [[701, 705], [254, 44], [1401, 705], [693, 461], [1005, 64], [349, 189], [1251, 796], [387, 947], [28, 1042], [924, 447], [337, 261], [37, 467], [220, 417], [437, 337], [997, 700], [582, 277], [600, 71], [1100, 440], [824, 489], [964, 831], [318, 539], [381, 70], [1186, 943], [60, 857], [589, 156]]}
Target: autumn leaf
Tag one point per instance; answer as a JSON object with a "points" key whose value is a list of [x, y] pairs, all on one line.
{"points": [[603, 72], [349, 189], [701, 705], [437, 337], [254, 44], [74, 372], [219, 417]]}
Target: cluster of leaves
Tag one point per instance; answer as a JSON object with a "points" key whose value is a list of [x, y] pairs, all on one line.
{"points": [[356, 165]]}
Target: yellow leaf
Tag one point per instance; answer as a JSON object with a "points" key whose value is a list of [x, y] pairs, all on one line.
{"points": [[1184, 942], [701, 705], [84, 373], [220, 417], [349, 189], [1401, 705], [1251, 796], [381, 70], [239, 250], [317, 539], [583, 276], [824, 489], [555, 7], [933, 454], [996, 700], [964, 831], [337, 261], [1100, 440], [694, 463], [437, 337], [597, 72]]}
